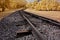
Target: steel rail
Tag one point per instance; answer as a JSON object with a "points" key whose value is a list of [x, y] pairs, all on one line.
{"points": [[44, 19], [35, 32]]}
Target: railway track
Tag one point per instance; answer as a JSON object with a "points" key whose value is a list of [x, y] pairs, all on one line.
{"points": [[37, 28]]}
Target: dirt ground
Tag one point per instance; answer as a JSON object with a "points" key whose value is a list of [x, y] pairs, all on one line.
{"points": [[6, 13]]}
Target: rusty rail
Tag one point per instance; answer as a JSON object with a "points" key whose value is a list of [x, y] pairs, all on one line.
{"points": [[35, 32]]}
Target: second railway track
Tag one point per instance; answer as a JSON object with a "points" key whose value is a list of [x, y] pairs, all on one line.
{"points": [[9, 26]]}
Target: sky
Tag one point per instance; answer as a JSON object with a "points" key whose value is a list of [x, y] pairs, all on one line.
{"points": [[30, 0]]}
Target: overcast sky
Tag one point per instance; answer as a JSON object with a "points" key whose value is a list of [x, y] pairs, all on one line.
{"points": [[30, 0]]}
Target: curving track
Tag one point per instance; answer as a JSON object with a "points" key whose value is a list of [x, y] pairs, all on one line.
{"points": [[14, 22]]}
